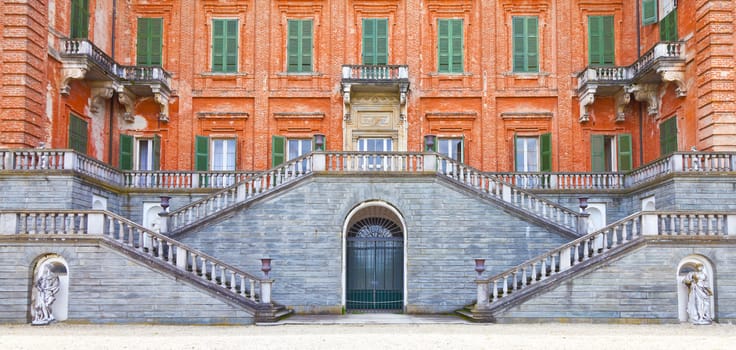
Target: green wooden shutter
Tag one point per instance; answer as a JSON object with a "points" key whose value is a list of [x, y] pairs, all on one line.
{"points": [[292, 46], [126, 152], [456, 46], [525, 44], [648, 12], [156, 152], [381, 41], [668, 136], [668, 27], [517, 154], [306, 46], [597, 153], [80, 19], [77, 134], [201, 153], [278, 150], [369, 41], [601, 48], [225, 45], [625, 153], [443, 46], [149, 41], [545, 152]]}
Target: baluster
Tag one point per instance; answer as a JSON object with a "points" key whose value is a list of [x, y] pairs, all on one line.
{"points": [[553, 264], [160, 248], [171, 252], [543, 270], [495, 290], [514, 282], [252, 290], [204, 268], [232, 281], [242, 286], [533, 273]]}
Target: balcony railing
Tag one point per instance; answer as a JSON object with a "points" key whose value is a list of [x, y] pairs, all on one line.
{"points": [[379, 73], [664, 51], [82, 48]]}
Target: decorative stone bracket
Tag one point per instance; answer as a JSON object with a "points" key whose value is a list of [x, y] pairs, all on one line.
{"points": [[163, 101], [623, 98], [127, 99], [648, 93], [69, 72], [586, 99], [675, 75], [98, 95]]}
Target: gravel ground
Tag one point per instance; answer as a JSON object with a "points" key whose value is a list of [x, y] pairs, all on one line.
{"points": [[395, 336]]}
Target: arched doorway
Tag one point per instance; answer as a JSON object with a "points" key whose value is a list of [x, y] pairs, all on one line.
{"points": [[374, 259]]}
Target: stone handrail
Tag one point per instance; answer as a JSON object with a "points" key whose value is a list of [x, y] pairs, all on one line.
{"points": [[689, 162], [508, 283], [375, 72], [373, 161], [144, 73], [563, 181], [496, 188], [121, 231], [58, 159], [183, 179], [248, 189]]}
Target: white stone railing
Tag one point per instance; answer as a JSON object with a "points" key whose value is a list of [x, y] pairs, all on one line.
{"points": [[375, 72], [371, 161], [493, 186], [689, 162], [55, 159], [184, 179], [563, 181], [123, 232], [508, 283], [248, 189]]}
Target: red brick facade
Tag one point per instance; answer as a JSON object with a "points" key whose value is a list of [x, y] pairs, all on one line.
{"points": [[487, 105]]}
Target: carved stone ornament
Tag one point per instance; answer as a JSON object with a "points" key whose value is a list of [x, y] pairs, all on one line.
{"points": [[47, 285], [99, 95], [646, 93], [163, 102], [623, 98], [586, 100], [69, 73], [674, 75], [699, 296], [128, 101]]}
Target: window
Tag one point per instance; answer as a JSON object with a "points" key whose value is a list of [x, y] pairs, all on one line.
{"points": [[77, 134], [525, 44], [214, 154], [668, 27], [375, 41], [450, 45], [150, 31], [600, 40], [296, 148], [648, 12], [140, 153], [225, 45], [610, 153], [451, 148], [80, 19], [668, 136], [533, 153], [373, 145], [299, 46]]}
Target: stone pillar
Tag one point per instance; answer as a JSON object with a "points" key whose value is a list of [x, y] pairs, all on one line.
{"points": [[565, 259], [430, 162], [266, 291], [96, 223], [731, 225], [241, 192], [181, 258], [8, 223], [583, 223], [649, 225], [69, 159], [483, 294], [319, 162]]}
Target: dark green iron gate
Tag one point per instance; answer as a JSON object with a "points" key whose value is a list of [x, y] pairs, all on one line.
{"points": [[375, 266]]}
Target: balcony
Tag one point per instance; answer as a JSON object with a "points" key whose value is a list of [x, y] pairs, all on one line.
{"points": [[665, 62], [81, 59]]}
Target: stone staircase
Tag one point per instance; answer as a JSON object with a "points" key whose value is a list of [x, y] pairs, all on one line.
{"points": [[537, 275], [164, 254]]}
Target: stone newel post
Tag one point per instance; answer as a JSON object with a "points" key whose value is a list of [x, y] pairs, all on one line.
{"points": [[482, 285], [267, 283]]}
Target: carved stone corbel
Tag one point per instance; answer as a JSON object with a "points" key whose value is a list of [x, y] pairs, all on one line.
{"points": [[623, 98], [69, 73], [99, 95], [346, 102], [128, 101], [648, 93], [674, 75], [163, 102], [586, 99]]}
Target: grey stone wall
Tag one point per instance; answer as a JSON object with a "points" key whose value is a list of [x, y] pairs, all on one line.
{"points": [[639, 286], [108, 287], [54, 191], [302, 231]]}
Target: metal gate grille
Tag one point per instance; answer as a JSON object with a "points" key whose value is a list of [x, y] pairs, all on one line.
{"points": [[375, 266]]}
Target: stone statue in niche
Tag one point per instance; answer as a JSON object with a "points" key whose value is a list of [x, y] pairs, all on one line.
{"points": [[699, 296], [47, 286]]}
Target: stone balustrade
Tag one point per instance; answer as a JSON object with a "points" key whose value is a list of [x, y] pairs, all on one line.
{"points": [[375, 72], [372, 161], [55, 159], [125, 233], [184, 179], [668, 225], [512, 195], [563, 181], [247, 189]]}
